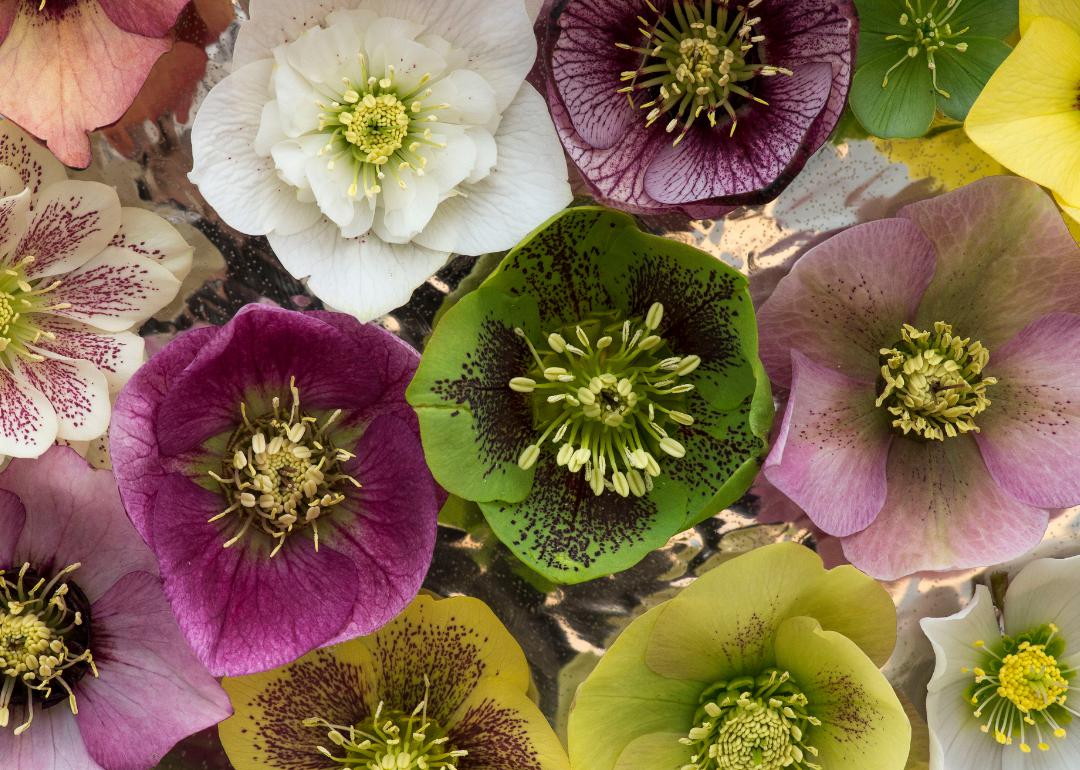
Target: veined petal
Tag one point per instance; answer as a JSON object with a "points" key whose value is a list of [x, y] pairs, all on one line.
{"points": [[72, 222], [654, 750], [53, 744], [12, 519], [148, 235], [77, 391], [1062, 10], [28, 424], [148, 19]]}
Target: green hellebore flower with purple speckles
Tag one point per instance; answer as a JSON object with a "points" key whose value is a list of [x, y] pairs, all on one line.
{"points": [[599, 393]]}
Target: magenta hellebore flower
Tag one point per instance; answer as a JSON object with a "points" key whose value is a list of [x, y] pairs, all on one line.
{"points": [[275, 470], [695, 105], [934, 406], [94, 673]]}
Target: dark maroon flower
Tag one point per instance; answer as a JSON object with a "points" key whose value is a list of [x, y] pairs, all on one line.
{"points": [[695, 105]]}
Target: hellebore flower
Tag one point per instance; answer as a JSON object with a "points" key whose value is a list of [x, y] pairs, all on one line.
{"points": [[765, 662], [78, 274], [1000, 694], [696, 105], [1028, 116], [599, 393], [369, 139], [920, 56], [275, 470], [441, 687], [934, 408], [94, 673], [71, 66]]}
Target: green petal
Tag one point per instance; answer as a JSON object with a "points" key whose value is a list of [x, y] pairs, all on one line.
{"points": [[474, 427], [656, 750], [623, 700], [879, 16], [903, 109], [963, 75], [863, 722], [986, 18]]}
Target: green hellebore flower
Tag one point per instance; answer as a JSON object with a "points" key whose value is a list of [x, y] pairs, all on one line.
{"points": [[599, 393], [767, 662], [920, 56]]}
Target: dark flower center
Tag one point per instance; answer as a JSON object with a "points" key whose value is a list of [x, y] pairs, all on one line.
{"points": [[44, 642], [281, 472], [925, 26], [695, 61]]}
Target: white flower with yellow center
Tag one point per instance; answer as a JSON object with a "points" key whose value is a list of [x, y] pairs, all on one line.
{"points": [[370, 139]]}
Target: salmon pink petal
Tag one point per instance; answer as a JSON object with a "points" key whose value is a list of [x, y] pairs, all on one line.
{"points": [[152, 691], [943, 512], [53, 744], [77, 391], [68, 56], [117, 356], [72, 223], [833, 445], [28, 423], [149, 19], [1030, 431]]}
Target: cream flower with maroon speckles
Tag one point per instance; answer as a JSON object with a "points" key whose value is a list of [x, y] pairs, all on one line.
{"points": [[78, 275]]}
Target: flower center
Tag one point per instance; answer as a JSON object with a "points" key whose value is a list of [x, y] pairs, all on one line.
{"points": [[932, 382], [378, 128], [282, 472], [608, 404], [44, 642], [926, 29], [20, 300], [390, 740], [1023, 688], [752, 722], [693, 59]]}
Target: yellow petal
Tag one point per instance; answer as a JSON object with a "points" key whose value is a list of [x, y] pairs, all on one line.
{"points": [[1067, 11], [1027, 117], [948, 157]]}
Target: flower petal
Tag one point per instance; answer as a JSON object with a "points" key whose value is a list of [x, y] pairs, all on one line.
{"points": [[274, 22], [72, 223], [943, 512], [963, 75], [1063, 10], [148, 19], [54, 743], [117, 356], [37, 167], [14, 218], [831, 453], [147, 235], [243, 187], [152, 692], [999, 237], [846, 299], [77, 391], [1037, 596], [904, 108], [28, 423], [1032, 426], [12, 519]]}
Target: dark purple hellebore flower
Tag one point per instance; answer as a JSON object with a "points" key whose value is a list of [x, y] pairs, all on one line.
{"points": [[695, 106], [275, 470]]}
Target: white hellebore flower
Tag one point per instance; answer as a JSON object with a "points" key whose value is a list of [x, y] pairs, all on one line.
{"points": [[370, 139], [78, 276], [1002, 694]]}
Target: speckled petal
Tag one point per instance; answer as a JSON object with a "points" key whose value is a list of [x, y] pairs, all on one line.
{"points": [[28, 423], [77, 391], [117, 356], [14, 215], [72, 223], [145, 234], [37, 167]]}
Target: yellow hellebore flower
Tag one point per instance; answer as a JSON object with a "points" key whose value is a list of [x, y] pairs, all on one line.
{"points": [[1028, 116]]}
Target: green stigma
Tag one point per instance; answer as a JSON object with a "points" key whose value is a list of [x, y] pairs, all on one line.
{"points": [[694, 58], [752, 723], [610, 399], [281, 472], [932, 383], [927, 31], [20, 300], [1022, 688]]}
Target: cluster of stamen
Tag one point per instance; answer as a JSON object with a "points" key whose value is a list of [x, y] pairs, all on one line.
{"points": [[390, 740], [44, 642], [694, 59], [281, 472], [932, 382], [20, 300], [608, 398], [927, 30], [1023, 690], [752, 722], [379, 128]]}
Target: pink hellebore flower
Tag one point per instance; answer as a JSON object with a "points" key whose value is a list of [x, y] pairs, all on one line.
{"points": [[934, 406]]}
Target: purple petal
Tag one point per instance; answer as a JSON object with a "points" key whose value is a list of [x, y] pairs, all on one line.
{"points": [[12, 518], [241, 611], [943, 512], [390, 532], [1001, 238], [1031, 430], [832, 449], [73, 514], [152, 692], [52, 743], [846, 299], [132, 437]]}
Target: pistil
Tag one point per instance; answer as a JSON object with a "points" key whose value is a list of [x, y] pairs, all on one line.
{"points": [[20, 301], [927, 30], [610, 395]]}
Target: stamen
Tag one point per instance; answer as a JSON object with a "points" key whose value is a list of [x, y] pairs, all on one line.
{"points": [[929, 33]]}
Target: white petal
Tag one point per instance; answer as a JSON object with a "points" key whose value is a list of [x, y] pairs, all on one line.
{"points": [[72, 222], [14, 218], [364, 216], [953, 639], [38, 167], [487, 153], [117, 356], [362, 276], [331, 187], [527, 187], [451, 165], [298, 102], [10, 182], [1063, 754], [242, 186], [1045, 591], [274, 22], [956, 742], [471, 99], [78, 392], [27, 420], [270, 130], [116, 291], [391, 43], [404, 212], [145, 234]]}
